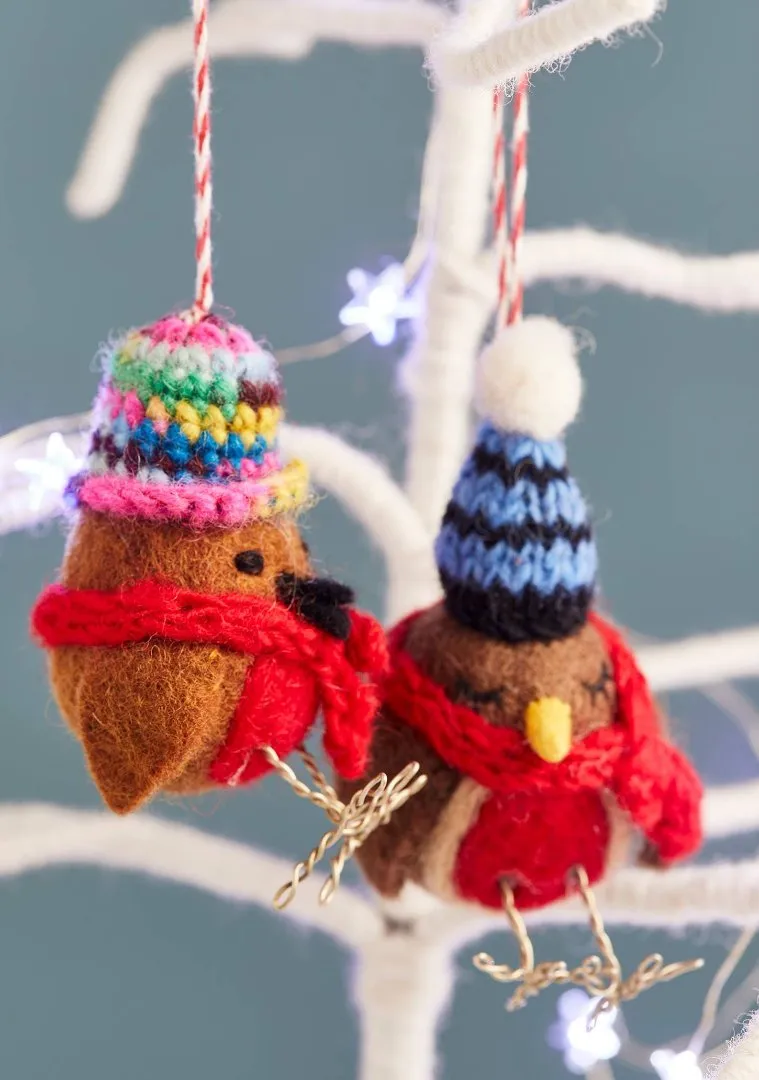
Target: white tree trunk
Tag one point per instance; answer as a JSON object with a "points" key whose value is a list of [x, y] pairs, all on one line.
{"points": [[404, 984]]}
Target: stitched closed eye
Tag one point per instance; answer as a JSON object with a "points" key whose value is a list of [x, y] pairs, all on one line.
{"points": [[464, 691], [601, 685]]}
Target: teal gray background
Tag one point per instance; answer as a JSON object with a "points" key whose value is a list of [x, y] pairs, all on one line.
{"points": [[114, 977]]}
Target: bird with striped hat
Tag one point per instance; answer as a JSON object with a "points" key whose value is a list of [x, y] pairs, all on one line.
{"points": [[544, 749]]}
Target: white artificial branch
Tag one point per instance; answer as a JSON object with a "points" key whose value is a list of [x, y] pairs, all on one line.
{"points": [[403, 980], [404, 975], [741, 1061], [553, 33], [719, 283], [738, 707], [450, 333], [403, 986], [720, 893], [33, 836], [702, 660], [725, 284], [731, 810], [366, 490], [284, 29]]}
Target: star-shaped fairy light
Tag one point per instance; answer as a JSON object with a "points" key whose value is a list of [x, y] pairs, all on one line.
{"points": [[673, 1066], [49, 474], [379, 302], [584, 1046]]}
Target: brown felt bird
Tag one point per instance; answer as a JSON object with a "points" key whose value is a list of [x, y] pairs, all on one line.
{"points": [[188, 630], [538, 733]]}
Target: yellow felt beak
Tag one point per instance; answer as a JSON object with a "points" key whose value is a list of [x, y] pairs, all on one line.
{"points": [[548, 727]]}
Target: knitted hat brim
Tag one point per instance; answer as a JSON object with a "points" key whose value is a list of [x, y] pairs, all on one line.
{"points": [[531, 616], [196, 504]]}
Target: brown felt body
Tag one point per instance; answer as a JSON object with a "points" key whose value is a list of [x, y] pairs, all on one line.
{"points": [[152, 716], [440, 852], [393, 854], [105, 552]]}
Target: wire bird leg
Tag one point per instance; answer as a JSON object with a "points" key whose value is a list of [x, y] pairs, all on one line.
{"points": [[353, 823], [531, 977], [599, 975]]}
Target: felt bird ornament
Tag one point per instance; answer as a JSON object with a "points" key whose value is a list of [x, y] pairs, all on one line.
{"points": [[188, 631], [543, 747]]}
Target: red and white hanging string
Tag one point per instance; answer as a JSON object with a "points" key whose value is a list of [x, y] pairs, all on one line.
{"points": [[519, 136], [201, 92], [509, 234], [500, 223]]}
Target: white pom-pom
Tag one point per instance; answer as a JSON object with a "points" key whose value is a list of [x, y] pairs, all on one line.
{"points": [[529, 381]]}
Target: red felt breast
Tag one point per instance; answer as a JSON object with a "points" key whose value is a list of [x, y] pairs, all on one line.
{"points": [[533, 842]]}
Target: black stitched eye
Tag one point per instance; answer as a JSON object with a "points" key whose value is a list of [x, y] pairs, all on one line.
{"points": [[601, 685], [465, 692], [250, 562]]}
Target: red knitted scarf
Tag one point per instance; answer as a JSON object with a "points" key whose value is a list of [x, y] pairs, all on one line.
{"points": [[499, 758], [651, 780], [302, 664], [649, 777]]}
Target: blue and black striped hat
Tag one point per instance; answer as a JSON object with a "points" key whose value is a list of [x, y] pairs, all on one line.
{"points": [[516, 553]]}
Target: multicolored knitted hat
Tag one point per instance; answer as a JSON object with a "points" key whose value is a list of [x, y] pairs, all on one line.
{"points": [[516, 553], [185, 429]]}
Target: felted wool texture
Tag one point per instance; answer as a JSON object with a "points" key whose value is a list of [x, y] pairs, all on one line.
{"points": [[393, 854], [104, 552], [499, 680], [528, 379], [505, 814], [417, 843], [533, 842], [433, 841], [440, 853], [299, 665], [152, 716]]}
